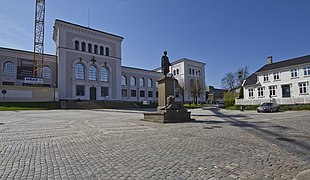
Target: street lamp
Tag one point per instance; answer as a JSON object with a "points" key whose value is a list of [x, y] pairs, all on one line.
{"points": [[54, 86]]}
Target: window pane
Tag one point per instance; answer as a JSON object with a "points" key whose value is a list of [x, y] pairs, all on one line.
{"points": [[107, 51], [150, 94], [124, 92], [104, 74], [79, 71], [92, 73], [9, 68], [142, 93], [96, 49], [83, 46], [104, 91], [80, 90], [101, 50], [150, 83], [141, 82], [47, 72], [133, 93], [124, 81], [133, 81], [77, 45], [90, 50]]}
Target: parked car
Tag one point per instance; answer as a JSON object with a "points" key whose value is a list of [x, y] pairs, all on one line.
{"points": [[220, 105], [268, 107]]}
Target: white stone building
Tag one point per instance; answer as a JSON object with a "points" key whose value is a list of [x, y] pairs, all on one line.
{"points": [[88, 66], [286, 82]]}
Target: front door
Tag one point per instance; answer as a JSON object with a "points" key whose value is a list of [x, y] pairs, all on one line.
{"points": [[286, 90], [92, 93]]}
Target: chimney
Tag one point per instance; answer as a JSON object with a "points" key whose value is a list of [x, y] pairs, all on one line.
{"points": [[270, 60]]}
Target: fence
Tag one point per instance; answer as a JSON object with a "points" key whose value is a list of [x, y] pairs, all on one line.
{"points": [[296, 100]]}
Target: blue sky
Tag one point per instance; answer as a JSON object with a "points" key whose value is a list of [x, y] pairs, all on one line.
{"points": [[225, 34]]}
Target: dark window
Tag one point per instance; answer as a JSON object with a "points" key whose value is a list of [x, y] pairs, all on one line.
{"points": [[80, 90], [104, 91], [150, 94], [142, 93], [190, 71], [101, 50], [178, 72], [124, 92], [156, 94], [96, 49], [90, 48], [133, 93], [8, 83], [107, 51], [83, 46], [77, 45]]}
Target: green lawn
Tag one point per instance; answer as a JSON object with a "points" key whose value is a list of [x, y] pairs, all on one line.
{"points": [[11, 106]]}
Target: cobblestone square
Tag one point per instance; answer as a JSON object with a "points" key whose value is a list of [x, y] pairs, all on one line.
{"points": [[115, 144]]}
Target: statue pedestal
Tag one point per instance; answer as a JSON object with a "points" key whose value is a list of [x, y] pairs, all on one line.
{"points": [[175, 113]]}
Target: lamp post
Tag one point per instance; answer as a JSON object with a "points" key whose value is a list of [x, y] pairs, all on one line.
{"points": [[196, 87], [54, 87]]}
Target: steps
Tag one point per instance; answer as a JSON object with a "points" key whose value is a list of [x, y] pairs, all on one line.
{"points": [[71, 104]]}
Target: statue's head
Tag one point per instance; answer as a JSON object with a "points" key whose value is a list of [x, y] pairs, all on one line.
{"points": [[165, 53]]}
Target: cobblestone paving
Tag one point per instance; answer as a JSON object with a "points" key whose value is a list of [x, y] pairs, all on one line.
{"points": [[112, 144]]}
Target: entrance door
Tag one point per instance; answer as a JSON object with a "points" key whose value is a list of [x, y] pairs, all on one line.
{"points": [[286, 90], [92, 93]]}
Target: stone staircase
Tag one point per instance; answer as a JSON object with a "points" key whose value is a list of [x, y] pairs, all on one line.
{"points": [[71, 104]]}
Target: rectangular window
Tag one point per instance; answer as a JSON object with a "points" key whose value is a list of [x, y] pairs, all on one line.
{"points": [[156, 94], [272, 91], [307, 71], [260, 92], [302, 87], [294, 73], [276, 76], [104, 91], [80, 90], [133, 93], [251, 92], [124, 92], [8, 83], [142, 93], [150, 94], [265, 77]]}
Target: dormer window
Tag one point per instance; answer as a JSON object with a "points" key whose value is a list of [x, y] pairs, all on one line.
{"points": [[265, 76]]}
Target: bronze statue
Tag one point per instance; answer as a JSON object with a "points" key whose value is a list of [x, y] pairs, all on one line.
{"points": [[165, 64]]}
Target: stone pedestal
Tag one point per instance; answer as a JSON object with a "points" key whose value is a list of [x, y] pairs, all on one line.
{"points": [[175, 113]]}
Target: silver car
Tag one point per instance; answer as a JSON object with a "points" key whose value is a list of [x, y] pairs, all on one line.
{"points": [[268, 107]]}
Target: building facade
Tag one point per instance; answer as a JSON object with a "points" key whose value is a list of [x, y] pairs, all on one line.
{"points": [[88, 66], [286, 82]]}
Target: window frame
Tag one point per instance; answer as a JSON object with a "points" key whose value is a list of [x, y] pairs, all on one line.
{"points": [[104, 74], [260, 92], [307, 71], [272, 91], [133, 81], [79, 87], [251, 92], [45, 76], [124, 80], [8, 68], [294, 73], [266, 78], [303, 87], [276, 76]]}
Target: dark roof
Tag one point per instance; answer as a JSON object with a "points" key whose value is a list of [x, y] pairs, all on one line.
{"points": [[11, 49], [251, 80], [89, 28], [285, 63]]}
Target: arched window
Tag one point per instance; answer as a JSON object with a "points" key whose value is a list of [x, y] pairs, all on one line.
{"points": [[107, 51], [47, 72], [178, 71], [92, 73], [141, 82], [90, 48], [174, 72], [156, 84], [104, 74], [83, 46], [150, 82], [79, 71], [124, 80], [77, 45], [101, 50], [190, 70], [198, 72], [133, 81], [8, 68], [96, 49]]}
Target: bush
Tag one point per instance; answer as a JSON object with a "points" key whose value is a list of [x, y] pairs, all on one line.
{"points": [[229, 102]]}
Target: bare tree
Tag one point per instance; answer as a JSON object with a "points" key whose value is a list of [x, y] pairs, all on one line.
{"points": [[229, 81], [196, 88], [241, 75]]}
